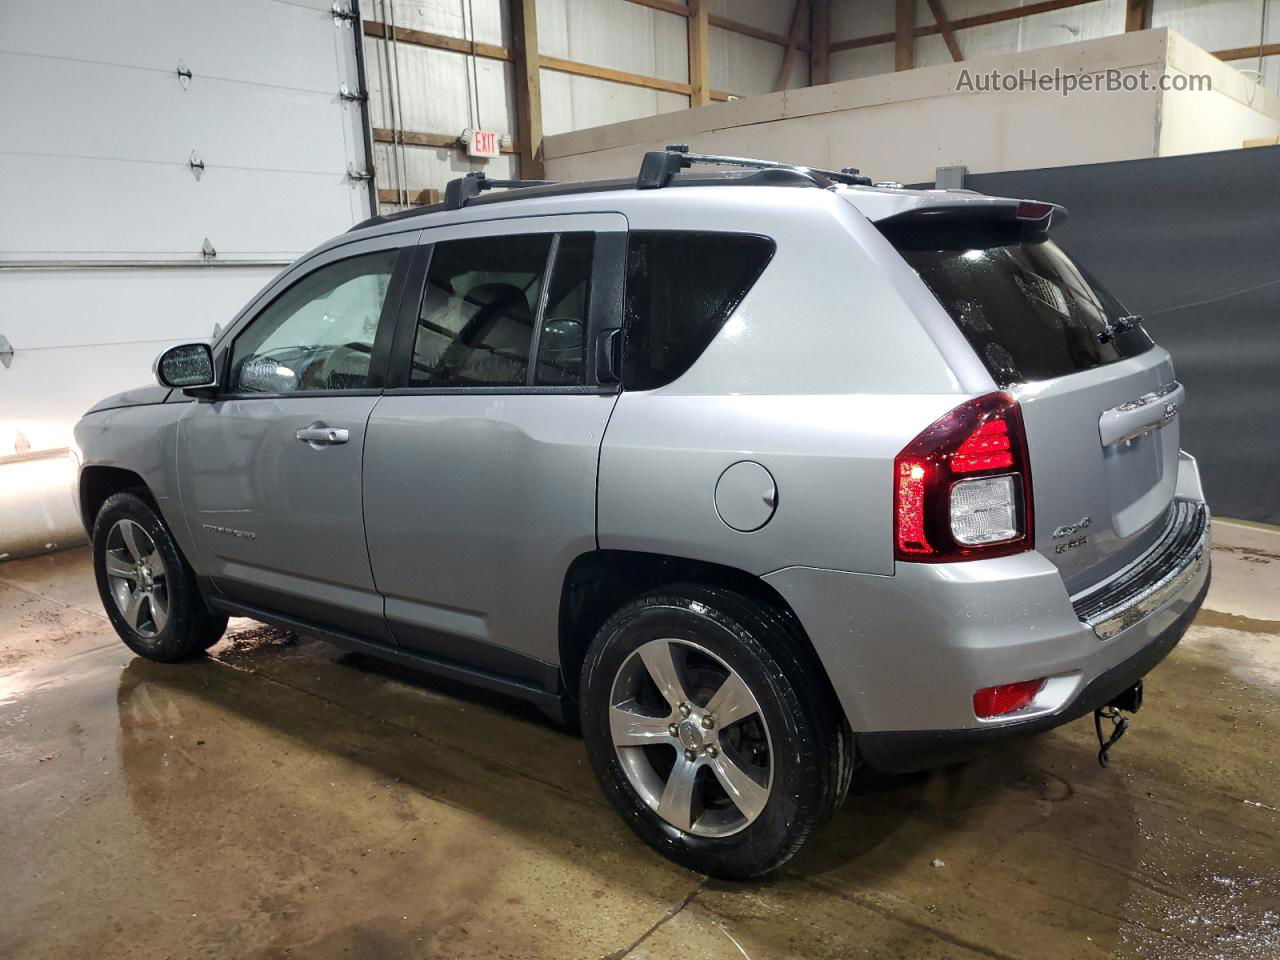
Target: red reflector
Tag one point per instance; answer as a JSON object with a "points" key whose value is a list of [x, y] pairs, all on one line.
{"points": [[911, 479], [997, 701]]}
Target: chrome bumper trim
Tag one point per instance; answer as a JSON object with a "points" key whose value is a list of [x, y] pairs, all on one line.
{"points": [[1172, 562]]}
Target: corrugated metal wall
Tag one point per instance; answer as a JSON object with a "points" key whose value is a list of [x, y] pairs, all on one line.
{"points": [[424, 90], [418, 89], [1211, 24]]}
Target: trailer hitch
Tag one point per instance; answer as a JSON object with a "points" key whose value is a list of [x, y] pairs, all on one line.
{"points": [[1131, 702]]}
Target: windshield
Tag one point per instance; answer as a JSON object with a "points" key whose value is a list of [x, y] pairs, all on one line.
{"points": [[1027, 309]]}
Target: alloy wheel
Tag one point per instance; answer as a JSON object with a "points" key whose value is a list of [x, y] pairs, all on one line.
{"points": [[137, 578], [691, 738]]}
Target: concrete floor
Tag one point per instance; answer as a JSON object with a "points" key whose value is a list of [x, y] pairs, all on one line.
{"points": [[281, 799]]}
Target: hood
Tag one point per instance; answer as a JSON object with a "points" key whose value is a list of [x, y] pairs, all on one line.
{"points": [[137, 397]]}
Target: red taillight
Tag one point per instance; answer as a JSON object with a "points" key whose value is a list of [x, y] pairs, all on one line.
{"points": [[997, 701], [987, 448], [983, 437]]}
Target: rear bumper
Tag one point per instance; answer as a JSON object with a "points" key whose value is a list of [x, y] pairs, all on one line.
{"points": [[905, 653], [904, 751]]}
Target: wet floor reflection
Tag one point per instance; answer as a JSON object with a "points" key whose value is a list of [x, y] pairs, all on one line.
{"points": [[287, 800]]}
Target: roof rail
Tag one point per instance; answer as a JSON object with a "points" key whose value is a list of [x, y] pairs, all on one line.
{"points": [[659, 166], [458, 192]]}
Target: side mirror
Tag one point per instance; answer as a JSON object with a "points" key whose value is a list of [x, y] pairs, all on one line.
{"points": [[187, 367]]}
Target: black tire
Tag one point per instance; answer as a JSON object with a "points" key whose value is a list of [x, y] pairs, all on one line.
{"points": [[189, 627], [810, 744]]}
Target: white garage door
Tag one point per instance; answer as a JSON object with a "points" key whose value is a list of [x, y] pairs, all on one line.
{"points": [[131, 133]]}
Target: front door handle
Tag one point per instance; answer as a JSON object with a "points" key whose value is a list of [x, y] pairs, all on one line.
{"points": [[318, 435]]}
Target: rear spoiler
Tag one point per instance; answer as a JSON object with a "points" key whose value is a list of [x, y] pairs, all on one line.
{"points": [[1031, 218]]}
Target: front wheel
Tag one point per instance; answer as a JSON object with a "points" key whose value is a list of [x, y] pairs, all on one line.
{"points": [[710, 732], [148, 590]]}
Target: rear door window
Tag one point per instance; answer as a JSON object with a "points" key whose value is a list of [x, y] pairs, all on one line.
{"points": [[681, 288], [562, 340], [505, 311], [1029, 311], [475, 326]]}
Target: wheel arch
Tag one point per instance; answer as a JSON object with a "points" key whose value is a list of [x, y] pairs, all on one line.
{"points": [[97, 483], [599, 582]]}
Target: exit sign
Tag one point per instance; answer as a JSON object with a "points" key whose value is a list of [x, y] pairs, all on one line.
{"points": [[484, 143]]}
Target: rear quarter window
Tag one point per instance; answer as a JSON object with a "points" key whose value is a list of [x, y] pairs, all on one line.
{"points": [[1029, 311], [681, 288]]}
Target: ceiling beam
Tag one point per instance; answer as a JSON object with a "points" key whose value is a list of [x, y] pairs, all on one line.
{"points": [[944, 26]]}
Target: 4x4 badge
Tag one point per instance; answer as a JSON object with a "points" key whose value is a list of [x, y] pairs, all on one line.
{"points": [[1067, 529]]}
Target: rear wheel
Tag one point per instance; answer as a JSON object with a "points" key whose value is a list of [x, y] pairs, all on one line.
{"points": [[709, 731], [148, 590]]}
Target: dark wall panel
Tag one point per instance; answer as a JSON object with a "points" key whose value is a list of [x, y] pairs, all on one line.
{"points": [[1193, 245]]}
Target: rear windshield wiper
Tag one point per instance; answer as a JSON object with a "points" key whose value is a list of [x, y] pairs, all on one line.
{"points": [[1118, 326]]}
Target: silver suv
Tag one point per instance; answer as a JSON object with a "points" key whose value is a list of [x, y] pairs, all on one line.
{"points": [[755, 474]]}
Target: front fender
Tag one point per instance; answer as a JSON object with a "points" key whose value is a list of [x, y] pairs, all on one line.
{"points": [[140, 440]]}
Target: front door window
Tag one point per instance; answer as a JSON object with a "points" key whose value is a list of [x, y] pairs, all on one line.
{"points": [[318, 334]]}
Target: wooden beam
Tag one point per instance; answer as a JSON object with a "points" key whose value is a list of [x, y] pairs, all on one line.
{"points": [[422, 198], [981, 20], [699, 53], [666, 6], [1137, 15], [528, 82], [617, 76], [417, 139], [747, 30], [793, 44], [948, 35], [904, 42], [1245, 53], [724, 23], [819, 42], [438, 41]]}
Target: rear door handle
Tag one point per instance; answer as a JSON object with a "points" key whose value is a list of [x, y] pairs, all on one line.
{"points": [[1149, 412], [318, 435]]}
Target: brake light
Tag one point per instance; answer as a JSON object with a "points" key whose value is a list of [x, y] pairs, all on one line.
{"points": [[1033, 210], [962, 488], [997, 701]]}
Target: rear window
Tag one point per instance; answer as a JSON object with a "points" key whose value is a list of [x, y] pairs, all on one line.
{"points": [[1027, 309], [681, 288]]}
